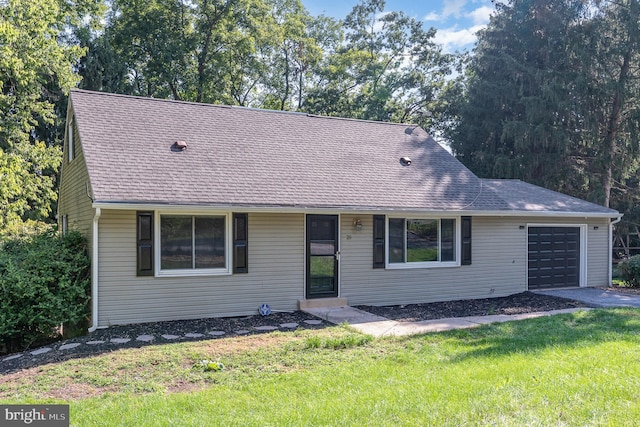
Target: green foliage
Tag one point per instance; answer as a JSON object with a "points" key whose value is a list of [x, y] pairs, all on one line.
{"points": [[629, 271], [27, 182], [271, 54], [44, 283], [515, 123], [30, 57], [607, 50], [551, 98], [243, 52], [25, 229], [388, 69], [36, 71]]}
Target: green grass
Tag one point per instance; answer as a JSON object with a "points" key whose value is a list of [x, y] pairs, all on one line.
{"points": [[422, 254], [322, 267], [580, 369]]}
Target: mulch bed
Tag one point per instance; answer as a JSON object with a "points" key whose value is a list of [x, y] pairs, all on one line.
{"points": [[525, 302], [231, 327]]}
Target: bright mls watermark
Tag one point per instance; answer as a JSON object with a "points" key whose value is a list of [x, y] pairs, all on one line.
{"points": [[34, 415]]}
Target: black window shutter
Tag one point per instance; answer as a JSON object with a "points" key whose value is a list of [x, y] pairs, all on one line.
{"points": [[466, 240], [240, 243], [144, 240], [378, 241]]}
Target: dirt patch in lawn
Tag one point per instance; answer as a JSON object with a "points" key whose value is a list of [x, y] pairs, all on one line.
{"points": [[149, 369]]}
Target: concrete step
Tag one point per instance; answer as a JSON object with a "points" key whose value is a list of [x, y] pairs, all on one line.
{"points": [[321, 303], [350, 315]]}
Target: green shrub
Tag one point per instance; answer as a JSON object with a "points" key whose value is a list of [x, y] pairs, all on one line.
{"points": [[44, 283], [629, 271]]}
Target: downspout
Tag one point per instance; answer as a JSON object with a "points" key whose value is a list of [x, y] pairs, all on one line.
{"points": [[611, 224], [94, 272]]}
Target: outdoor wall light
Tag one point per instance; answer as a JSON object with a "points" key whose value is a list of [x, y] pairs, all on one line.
{"points": [[521, 227], [357, 224]]}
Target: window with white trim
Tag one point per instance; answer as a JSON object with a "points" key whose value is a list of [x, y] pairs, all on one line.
{"points": [[195, 244], [422, 242]]}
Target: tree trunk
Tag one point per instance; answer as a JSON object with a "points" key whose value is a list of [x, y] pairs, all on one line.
{"points": [[174, 91], [287, 70], [613, 125], [203, 56]]}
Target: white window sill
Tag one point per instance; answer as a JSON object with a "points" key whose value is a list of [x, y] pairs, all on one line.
{"points": [[193, 273], [422, 265]]}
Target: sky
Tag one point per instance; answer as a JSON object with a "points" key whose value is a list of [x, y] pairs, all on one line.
{"points": [[457, 21]]}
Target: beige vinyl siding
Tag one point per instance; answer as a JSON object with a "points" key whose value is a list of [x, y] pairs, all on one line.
{"points": [[497, 269], [598, 250], [73, 199], [499, 264], [276, 275], [276, 270]]}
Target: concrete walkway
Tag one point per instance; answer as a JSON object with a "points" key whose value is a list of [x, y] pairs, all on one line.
{"points": [[596, 297], [380, 326], [377, 326]]}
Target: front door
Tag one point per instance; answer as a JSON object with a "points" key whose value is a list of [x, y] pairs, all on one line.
{"points": [[322, 256]]}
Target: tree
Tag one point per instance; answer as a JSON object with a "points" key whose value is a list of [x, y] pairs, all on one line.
{"points": [[608, 50], [518, 118], [35, 74], [292, 57], [242, 52], [552, 98], [389, 68], [153, 39]]}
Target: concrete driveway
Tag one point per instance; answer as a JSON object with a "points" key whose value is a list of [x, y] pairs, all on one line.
{"points": [[596, 297]]}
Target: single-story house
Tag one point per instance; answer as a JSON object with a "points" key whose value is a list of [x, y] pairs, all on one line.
{"points": [[196, 210]]}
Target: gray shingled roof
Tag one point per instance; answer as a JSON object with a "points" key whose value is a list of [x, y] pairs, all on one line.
{"points": [[260, 158], [521, 196]]}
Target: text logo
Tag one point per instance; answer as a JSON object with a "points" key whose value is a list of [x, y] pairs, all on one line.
{"points": [[34, 415]]}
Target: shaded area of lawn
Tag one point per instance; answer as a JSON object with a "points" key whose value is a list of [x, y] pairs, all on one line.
{"points": [[583, 328]]}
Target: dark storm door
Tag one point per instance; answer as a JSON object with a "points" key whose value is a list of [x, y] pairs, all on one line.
{"points": [[553, 257], [322, 256]]}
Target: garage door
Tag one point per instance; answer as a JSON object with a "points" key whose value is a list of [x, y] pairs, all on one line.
{"points": [[554, 257]]}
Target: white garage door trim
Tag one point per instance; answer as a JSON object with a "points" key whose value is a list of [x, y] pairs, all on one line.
{"points": [[583, 249]]}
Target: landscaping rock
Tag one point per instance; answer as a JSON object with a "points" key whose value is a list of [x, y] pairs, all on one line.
{"points": [[69, 346]]}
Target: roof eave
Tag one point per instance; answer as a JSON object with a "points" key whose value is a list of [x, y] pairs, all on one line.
{"points": [[168, 207]]}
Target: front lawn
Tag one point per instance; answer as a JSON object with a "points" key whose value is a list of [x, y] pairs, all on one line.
{"points": [[580, 369]]}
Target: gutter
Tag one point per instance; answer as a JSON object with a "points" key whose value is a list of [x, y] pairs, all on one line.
{"points": [[347, 210], [94, 271], [611, 224]]}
